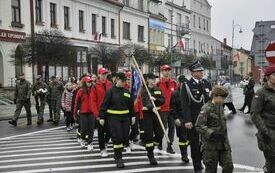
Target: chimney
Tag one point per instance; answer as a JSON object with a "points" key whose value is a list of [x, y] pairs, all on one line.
{"points": [[225, 41]]}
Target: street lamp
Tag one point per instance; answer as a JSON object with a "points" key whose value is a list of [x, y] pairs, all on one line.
{"points": [[233, 37]]}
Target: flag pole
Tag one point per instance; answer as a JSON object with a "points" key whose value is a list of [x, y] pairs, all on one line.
{"points": [[153, 103]]}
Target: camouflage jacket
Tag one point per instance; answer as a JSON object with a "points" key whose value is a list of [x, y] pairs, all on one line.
{"points": [[22, 90], [36, 89], [263, 109], [211, 119], [55, 90]]}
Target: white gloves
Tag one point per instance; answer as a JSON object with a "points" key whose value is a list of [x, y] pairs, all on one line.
{"points": [[133, 120], [102, 122]]}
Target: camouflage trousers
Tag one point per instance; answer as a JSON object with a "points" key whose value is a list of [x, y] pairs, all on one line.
{"points": [[19, 105], [211, 159]]}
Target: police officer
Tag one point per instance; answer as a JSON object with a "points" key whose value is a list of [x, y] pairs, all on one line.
{"points": [[263, 116], [211, 124], [153, 132], [194, 94], [40, 92], [22, 97], [117, 107], [56, 89], [178, 114]]}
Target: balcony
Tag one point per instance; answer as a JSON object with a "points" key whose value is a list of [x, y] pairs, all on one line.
{"points": [[183, 29]]}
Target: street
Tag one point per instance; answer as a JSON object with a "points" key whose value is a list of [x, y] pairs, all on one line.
{"points": [[52, 149]]}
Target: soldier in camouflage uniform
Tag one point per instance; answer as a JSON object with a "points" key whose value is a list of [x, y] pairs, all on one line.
{"points": [[263, 116], [22, 97], [40, 92], [55, 90], [211, 124]]}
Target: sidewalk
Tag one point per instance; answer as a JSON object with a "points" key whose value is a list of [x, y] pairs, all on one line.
{"points": [[7, 111]]}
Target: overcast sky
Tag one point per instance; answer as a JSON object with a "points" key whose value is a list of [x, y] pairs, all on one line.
{"points": [[245, 13]]}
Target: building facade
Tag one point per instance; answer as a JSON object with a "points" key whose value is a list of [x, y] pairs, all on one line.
{"points": [[200, 27], [264, 33]]}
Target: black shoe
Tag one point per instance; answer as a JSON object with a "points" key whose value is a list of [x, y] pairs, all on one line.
{"points": [[119, 163], [170, 150], [185, 159], [39, 122], [29, 123], [153, 161], [12, 122], [50, 120], [55, 122]]}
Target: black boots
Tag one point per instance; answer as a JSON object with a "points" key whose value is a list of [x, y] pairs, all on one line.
{"points": [[151, 157], [13, 122], [119, 163], [170, 149]]}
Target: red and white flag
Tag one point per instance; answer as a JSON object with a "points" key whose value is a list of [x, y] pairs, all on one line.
{"points": [[181, 44], [97, 36], [238, 55]]}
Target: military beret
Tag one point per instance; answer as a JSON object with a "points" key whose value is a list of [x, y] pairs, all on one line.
{"points": [[219, 91], [269, 70]]}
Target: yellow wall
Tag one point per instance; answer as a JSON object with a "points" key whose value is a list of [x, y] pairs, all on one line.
{"points": [[245, 62]]}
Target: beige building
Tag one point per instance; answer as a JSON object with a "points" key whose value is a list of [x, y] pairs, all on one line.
{"points": [[242, 62]]}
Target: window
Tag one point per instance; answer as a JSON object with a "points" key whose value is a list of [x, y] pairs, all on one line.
{"points": [[140, 33], [140, 5], [93, 23], [53, 14], [126, 3], [104, 26], [179, 19], [204, 28], [38, 11], [81, 21], [194, 44], [66, 18], [126, 30], [207, 25], [199, 47], [113, 28], [170, 16], [16, 10], [194, 21], [200, 22]]}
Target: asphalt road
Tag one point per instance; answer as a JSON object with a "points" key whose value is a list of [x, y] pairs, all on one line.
{"points": [[51, 149]]}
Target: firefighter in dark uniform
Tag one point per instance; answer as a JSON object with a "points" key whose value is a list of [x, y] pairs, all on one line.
{"points": [[194, 94], [118, 107], [40, 92], [178, 114], [153, 133]]}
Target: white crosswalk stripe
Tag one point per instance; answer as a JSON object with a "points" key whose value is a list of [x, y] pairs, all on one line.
{"points": [[56, 150]]}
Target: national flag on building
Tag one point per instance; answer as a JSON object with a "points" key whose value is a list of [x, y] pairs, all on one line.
{"points": [[238, 55], [97, 36]]}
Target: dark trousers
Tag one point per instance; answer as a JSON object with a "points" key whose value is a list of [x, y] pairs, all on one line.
{"points": [[68, 118], [87, 123], [168, 120], [196, 155], [183, 139], [231, 107], [40, 106], [19, 105], [141, 129], [50, 108], [56, 107], [134, 130], [103, 135], [119, 127], [153, 132], [247, 102]]}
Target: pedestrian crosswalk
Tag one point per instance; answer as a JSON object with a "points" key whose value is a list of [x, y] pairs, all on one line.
{"points": [[55, 150]]}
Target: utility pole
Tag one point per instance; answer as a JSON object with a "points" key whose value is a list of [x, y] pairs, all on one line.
{"points": [[171, 37]]}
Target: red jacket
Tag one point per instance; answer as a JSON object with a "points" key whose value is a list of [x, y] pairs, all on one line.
{"points": [[98, 95], [167, 88], [83, 102], [138, 107]]}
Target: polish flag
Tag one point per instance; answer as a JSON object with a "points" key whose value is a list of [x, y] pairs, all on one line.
{"points": [[238, 55], [97, 36], [181, 44]]}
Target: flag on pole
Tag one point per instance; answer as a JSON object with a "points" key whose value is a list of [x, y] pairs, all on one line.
{"points": [[182, 44], [238, 55], [97, 36], [136, 84]]}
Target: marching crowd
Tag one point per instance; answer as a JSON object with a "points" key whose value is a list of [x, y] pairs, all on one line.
{"points": [[191, 108]]}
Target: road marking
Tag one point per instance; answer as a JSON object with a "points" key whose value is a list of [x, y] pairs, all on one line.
{"points": [[150, 169], [249, 168], [90, 167], [81, 161], [59, 152], [26, 134], [43, 142]]}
